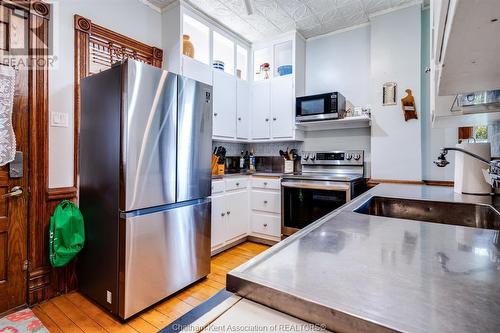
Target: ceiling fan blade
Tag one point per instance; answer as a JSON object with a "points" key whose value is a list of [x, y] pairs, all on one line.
{"points": [[249, 6]]}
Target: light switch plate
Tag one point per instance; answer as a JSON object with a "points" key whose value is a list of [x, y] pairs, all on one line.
{"points": [[59, 119]]}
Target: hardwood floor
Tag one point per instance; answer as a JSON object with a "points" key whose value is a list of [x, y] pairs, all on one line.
{"points": [[75, 313]]}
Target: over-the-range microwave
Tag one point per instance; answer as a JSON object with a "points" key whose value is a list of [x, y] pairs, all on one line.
{"points": [[320, 107]]}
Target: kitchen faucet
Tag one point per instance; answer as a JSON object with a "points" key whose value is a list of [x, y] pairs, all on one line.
{"points": [[494, 166]]}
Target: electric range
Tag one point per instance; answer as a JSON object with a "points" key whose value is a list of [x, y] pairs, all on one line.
{"points": [[327, 181]]}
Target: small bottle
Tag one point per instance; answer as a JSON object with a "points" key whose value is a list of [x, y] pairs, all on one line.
{"points": [[242, 161], [246, 158], [252, 160]]}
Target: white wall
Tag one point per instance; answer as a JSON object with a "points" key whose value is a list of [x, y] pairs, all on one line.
{"points": [[395, 57], [340, 62], [128, 17]]}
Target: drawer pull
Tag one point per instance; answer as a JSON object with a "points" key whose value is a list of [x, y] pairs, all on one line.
{"points": [[265, 202], [265, 183], [223, 214], [265, 225], [228, 213], [237, 184]]}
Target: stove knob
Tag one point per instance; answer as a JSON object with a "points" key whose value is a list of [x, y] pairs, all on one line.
{"points": [[306, 157], [348, 157], [313, 157], [357, 157]]}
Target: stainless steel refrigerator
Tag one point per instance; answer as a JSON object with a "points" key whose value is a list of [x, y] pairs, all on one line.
{"points": [[145, 182]]}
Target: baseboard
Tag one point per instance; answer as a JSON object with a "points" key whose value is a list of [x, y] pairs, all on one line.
{"points": [[249, 238]]}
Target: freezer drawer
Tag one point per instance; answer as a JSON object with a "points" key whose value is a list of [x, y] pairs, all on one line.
{"points": [[164, 252]]}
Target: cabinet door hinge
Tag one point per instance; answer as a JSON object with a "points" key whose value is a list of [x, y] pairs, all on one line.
{"points": [[26, 265]]}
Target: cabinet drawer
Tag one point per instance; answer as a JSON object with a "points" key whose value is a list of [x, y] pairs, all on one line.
{"points": [[266, 183], [266, 224], [236, 183], [217, 186], [266, 201]]}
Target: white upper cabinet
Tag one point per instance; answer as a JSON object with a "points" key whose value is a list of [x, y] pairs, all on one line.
{"points": [[464, 59], [224, 105], [242, 110], [196, 70], [261, 110], [279, 67], [282, 106]]}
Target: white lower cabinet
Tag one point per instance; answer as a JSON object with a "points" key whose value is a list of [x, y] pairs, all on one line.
{"points": [[239, 211], [266, 224]]}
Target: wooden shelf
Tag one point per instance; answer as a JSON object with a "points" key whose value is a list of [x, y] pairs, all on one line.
{"points": [[351, 122]]}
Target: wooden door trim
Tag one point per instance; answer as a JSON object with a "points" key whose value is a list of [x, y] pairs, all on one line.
{"points": [[85, 29]]}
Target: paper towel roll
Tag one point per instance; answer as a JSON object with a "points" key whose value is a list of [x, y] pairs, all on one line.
{"points": [[469, 177]]}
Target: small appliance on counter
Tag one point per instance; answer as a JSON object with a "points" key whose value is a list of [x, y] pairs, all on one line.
{"points": [[320, 107], [469, 177], [327, 181]]}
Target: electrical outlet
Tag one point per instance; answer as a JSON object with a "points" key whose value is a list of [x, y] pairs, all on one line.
{"points": [[59, 119], [108, 296]]}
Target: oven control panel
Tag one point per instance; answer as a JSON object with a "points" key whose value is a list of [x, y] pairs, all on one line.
{"points": [[348, 157]]}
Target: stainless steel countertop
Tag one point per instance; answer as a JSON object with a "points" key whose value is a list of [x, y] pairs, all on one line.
{"points": [[361, 273]]}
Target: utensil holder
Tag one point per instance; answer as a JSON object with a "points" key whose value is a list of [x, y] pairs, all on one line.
{"points": [[220, 169]]}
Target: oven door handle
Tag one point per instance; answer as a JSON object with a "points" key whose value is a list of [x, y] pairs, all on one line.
{"points": [[316, 186]]}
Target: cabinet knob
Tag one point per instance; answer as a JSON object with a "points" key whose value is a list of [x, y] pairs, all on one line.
{"points": [[265, 225], [265, 183], [237, 184], [274, 119], [228, 213], [267, 119], [239, 118], [223, 214], [215, 114], [265, 202]]}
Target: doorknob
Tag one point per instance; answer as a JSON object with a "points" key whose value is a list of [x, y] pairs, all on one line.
{"points": [[14, 192]]}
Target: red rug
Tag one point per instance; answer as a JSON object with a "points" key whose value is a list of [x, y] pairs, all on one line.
{"points": [[20, 322]]}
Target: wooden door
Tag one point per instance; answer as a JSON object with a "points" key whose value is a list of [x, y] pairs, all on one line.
{"points": [[14, 209]]}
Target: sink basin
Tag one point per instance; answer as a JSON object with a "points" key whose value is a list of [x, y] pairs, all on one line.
{"points": [[462, 214]]}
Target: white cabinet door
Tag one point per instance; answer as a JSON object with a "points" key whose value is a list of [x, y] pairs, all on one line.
{"points": [[282, 107], [224, 105], [237, 214], [218, 221], [242, 109], [260, 111], [196, 70]]}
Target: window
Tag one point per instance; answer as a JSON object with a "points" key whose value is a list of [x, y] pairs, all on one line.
{"points": [[223, 53], [198, 34], [241, 62], [481, 133]]}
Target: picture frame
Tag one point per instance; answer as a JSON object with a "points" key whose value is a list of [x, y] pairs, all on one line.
{"points": [[389, 93]]}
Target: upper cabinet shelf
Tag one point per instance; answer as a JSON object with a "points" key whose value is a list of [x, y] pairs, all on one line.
{"points": [[195, 46]]}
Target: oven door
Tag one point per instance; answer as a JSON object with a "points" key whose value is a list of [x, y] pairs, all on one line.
{"points": [[305, 201], [317, 107]]}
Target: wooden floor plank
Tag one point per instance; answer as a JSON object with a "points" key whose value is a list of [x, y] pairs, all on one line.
{"points": [[142, 326], [104, 319], [76, 314], [78, 317], [46, 320], [62, 321]]}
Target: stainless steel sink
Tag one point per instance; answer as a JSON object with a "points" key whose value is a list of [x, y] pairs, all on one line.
{"points": [[462, 214]]}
